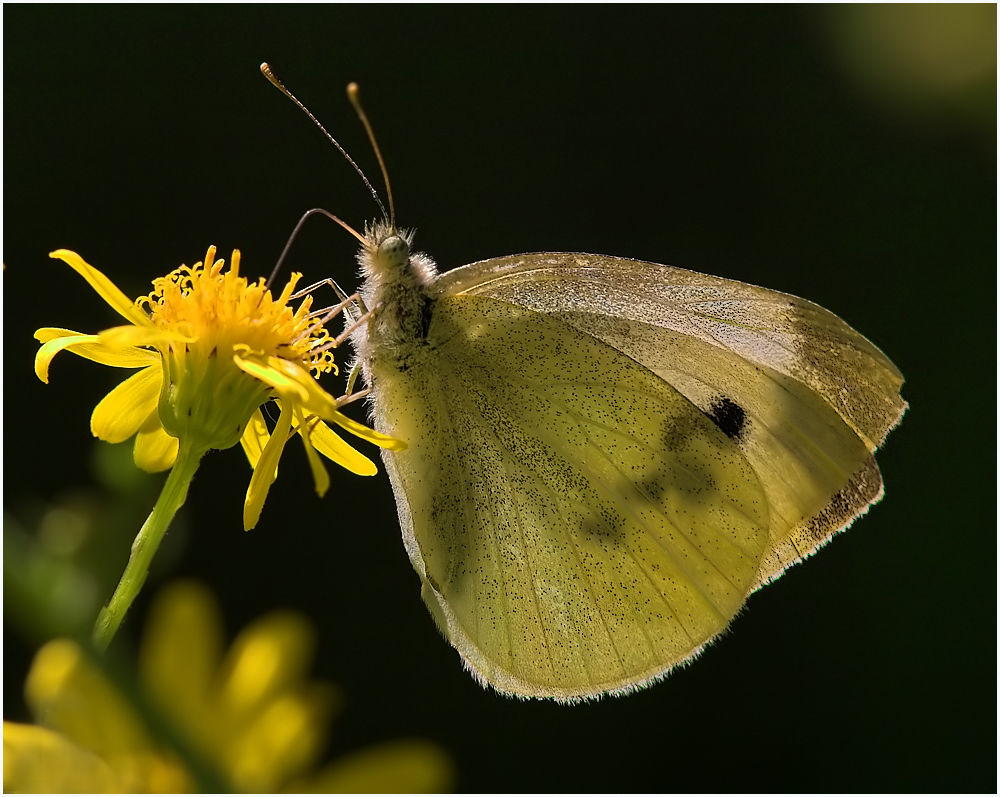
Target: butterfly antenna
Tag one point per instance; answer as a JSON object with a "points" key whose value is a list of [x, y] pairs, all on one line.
{"points": [[269, 74], [354, 95]]}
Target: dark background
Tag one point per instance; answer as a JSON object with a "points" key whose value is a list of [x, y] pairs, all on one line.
{"points": [[840, 154]]}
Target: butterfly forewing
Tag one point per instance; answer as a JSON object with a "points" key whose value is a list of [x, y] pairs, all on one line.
{"points": [[785, 333], [804, 396]]}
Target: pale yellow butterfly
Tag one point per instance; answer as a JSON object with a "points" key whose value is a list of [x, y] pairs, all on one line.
{"points": [[606, 457]]}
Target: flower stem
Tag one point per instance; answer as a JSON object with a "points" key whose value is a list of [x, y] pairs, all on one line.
{"points": [[146, 542]]}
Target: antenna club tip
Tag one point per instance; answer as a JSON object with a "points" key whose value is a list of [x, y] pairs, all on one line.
{"points": [[266, 71], [353, 90]]}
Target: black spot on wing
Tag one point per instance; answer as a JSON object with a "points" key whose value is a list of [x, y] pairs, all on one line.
{"points": [[729, 417]]}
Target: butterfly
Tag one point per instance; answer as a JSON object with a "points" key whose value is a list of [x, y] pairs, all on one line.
{"points": [[605, 457]]}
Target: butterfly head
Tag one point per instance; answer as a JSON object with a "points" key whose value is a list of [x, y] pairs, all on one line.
{"points": [[392, 252], [387, 257]]}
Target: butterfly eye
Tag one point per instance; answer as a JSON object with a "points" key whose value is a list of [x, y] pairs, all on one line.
{"points": [[393, 252]]}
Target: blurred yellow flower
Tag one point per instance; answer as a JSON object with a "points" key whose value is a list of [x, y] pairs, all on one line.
{"points": [[212, 348], [248, 715]]}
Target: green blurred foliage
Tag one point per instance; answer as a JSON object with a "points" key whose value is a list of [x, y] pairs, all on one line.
{"points": [[61, 565], [930, 62]]}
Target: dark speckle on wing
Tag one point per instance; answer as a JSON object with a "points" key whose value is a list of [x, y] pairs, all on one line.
{"points": [[729, 417]]}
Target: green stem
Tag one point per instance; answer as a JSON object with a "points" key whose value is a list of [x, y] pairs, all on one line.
{"points": [[146, 542]]}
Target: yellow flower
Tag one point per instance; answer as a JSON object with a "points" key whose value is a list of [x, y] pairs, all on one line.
{"points": [[212, 348], [249, 716]]}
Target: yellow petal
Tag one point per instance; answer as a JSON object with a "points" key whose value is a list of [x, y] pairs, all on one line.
{"points": [[316, 399], [119, 414], [180, 655], [79, 702], [362, 431], [414, 766], [105, 288], [320, 477], [282, 738], [284, 386], [290, 381], [255, 437], [37, 760], [294, 382], [154, 449], [44, 355], [119, 337], [269, 656], [45, 334], [267, 470], [333, 447], [55, 340]]}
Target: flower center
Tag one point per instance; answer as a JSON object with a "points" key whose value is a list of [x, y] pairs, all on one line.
{"points": [[205, 395], [222, 310]]}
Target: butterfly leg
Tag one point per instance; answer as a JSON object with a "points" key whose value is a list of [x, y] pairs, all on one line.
{"points": [[346, 306], [355, 298]]}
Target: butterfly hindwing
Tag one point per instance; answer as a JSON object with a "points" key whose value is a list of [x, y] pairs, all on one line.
{"points": [[578, 524]]}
